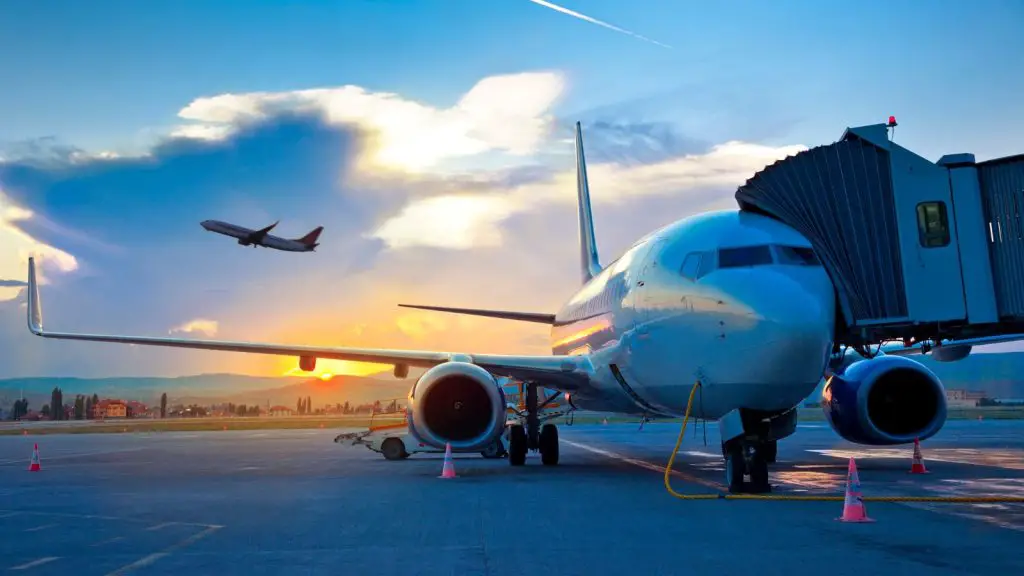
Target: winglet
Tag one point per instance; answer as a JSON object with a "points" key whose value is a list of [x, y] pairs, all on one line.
{"points": [[35, 312], [590, 265]]}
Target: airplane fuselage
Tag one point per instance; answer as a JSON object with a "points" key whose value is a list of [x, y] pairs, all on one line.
{"points": [[243, 234], [733, 299]]}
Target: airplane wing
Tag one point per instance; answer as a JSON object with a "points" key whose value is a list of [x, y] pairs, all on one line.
{"points": [[258, 235], [564, 373]]}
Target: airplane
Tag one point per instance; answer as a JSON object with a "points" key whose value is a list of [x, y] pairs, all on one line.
{"points": [[262, 237], [734, 300]]}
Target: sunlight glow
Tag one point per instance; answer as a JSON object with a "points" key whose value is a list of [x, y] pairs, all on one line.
{"points": [[328, 369]]}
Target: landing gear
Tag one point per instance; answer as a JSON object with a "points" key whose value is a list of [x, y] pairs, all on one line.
{"points": [[549, 445], [748, 458], [517, 445], [532, 436]]}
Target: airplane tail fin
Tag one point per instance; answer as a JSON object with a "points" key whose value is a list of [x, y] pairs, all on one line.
{"points": [[590, 265], [311, 238]]}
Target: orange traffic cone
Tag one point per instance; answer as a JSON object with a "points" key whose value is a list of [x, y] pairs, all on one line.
{"points": [[853, 507], [918, 465], [449, 468], [34, 466]]}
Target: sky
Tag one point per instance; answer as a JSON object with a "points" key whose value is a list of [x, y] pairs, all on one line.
{"points": [[432, 140]]}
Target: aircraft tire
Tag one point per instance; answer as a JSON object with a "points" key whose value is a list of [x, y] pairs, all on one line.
{"points": [[735, 467], [393, 449], [770, 451], [549, 445], [517, 445], [759, 472]]}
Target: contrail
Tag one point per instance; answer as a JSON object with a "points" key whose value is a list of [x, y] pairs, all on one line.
{"points": [[596, 21]]}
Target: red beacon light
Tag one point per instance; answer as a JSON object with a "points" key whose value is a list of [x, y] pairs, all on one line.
{"points": [[892, 121]]}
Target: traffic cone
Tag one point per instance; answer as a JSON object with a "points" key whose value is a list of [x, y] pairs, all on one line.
{"points": [[853, 507], [918, 465], [34, 466], [449, 468]]}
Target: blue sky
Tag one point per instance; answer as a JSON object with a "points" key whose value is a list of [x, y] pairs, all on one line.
{"points": [[122, 234]]}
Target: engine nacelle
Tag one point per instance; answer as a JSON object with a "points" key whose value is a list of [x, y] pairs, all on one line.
{"points": [[885, 400], [456, 402], [307, 363]]}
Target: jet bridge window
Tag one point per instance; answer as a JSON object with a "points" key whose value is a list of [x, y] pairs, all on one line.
{"points": [[744, 257], [932, 224]]}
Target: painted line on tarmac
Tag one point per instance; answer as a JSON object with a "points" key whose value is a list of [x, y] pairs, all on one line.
{"points": [[35, 563], [649, 466], [147, 560], [38, 528], [65, 457]]}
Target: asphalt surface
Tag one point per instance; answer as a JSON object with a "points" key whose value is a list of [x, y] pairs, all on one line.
{"points": [[294, 502]]}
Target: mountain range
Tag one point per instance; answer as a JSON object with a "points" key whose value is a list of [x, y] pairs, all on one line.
{"points": [[998, 375], [205, 389]]}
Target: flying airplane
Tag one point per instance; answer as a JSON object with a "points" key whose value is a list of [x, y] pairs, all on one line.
{"points": [[734, 300], [262, 237]]}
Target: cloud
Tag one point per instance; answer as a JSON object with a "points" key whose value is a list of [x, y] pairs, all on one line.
{"points": [[123, 252], [585, 18], [198, 326], [473, 221], [18, 245], [507, 113]]}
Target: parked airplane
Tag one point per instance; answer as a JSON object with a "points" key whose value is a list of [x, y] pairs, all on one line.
{"points": [[262, 237], [733, 299]]}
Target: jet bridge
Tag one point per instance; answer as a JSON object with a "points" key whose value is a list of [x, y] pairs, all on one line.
{"points": [[915, 249]]}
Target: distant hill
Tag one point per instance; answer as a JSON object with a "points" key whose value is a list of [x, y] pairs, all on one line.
{"points": [[211, 388], [999, 375]]}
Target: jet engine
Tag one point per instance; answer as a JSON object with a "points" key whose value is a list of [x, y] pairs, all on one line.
{"points": [[456, 402], [885, 400]]}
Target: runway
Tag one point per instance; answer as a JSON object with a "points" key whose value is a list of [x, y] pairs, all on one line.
{"points": [[292, 501]]}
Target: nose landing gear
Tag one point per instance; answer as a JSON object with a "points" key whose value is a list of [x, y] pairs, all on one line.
{"points": [[744, 458]]}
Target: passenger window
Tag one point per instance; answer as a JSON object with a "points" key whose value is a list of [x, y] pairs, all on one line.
{"points": [[932, 224], [691, 265], [797, 256], [745, 256]]}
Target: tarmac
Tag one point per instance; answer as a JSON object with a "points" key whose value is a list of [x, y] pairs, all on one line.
{"points": [[295, 502]]}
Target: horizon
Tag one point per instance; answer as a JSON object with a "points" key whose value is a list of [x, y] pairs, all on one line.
{"points": [[440, 174]]}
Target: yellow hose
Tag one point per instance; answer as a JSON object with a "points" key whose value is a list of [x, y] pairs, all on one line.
{"points": [[788, 497]]}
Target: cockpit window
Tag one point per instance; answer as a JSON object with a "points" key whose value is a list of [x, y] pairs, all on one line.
{"points": [[744, 257], [797, 256], [691, 265]]}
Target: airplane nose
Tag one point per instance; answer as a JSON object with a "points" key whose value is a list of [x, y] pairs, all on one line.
{"points": [[795, 322]]}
